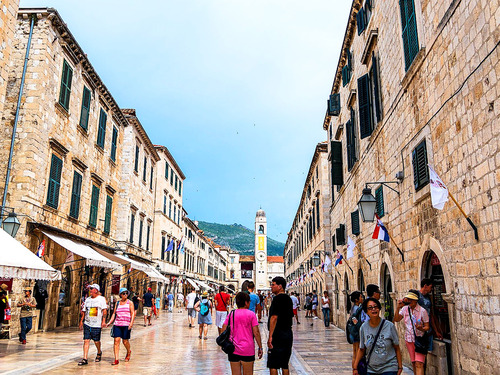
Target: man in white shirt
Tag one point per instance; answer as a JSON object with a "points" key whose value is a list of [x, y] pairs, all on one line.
{"points": [[92, 321], [295, 304], [190, 301], [180, 301]]}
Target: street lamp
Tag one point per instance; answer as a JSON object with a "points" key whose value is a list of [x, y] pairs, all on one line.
{"points": [[11, 224], [367, 205], [301, 269], [316, 259]]}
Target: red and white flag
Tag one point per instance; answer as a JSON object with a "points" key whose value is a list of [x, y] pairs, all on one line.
{"points": [[41, 249], [439, 191]]}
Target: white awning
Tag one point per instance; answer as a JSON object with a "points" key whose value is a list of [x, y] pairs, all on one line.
{"points": [[203, 285], [18, 262], [195, 286], [85, 251], [153, 274]]}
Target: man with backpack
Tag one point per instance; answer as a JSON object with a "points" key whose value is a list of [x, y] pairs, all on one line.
{"points": [[221, 307], [204, 308]]}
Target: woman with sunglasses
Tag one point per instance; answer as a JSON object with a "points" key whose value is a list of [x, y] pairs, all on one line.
{"points": [[383, 356], [123, 317]]}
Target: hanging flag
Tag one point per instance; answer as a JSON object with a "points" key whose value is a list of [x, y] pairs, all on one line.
{"points": [[70, 257], [170, 246], [350, 247], [41, 249], [339, 259], [130, 269], [380, 231], [181, 244], [439, 191], [328, 261]]}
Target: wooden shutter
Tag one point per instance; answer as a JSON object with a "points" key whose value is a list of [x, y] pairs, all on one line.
{"points": [[379, 197], [101, 134], [84, 114], [337, 167], [376, 89], [334, 105], [65, 91], [148, 232], [94, 206], [151, 178], [420, 169], [136, 162], [361, 20], [351, 142], [107, 216], [163, 248], [144, 170], [54, 182], [114, 143], [166, 170], [132, 225], [74, 210], [355, 228], [409, 32], [365, 108], [141, 224], [340, 234], [180, 187]]}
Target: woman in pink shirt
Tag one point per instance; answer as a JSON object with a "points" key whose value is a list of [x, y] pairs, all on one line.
{"points": [[244, 329], [123, 317]]}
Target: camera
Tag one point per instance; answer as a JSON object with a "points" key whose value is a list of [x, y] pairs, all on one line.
{"points": [[406, 303]]}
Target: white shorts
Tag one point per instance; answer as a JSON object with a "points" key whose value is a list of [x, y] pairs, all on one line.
{"points": [[220, 317]]}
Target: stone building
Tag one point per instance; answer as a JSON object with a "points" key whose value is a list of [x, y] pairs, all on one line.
{"points": [[308, 240], [417, 84]]}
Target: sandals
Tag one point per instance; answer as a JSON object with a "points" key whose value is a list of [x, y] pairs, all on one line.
{"points": [[127, 358], [115, 363], [83, 362], [206, 338], [98, 357]]}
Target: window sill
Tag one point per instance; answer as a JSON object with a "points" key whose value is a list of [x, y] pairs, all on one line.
{"points": [[105, 234], [99, 148], [63, 110], [72, 219], [46, 207], [113, 163], [93, 229], [414, 68], [422, 194], [82, 131]]}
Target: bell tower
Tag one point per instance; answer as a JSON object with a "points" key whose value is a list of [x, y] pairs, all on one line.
{"points": [[261, 281]]}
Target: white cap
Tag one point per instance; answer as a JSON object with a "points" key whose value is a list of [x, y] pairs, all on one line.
{"points": [[95, 286]]}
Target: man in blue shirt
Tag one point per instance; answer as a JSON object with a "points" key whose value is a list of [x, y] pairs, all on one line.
{"points": [[170, 302], [254, 298], [147, 306]]}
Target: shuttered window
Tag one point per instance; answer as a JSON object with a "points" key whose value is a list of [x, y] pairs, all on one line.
{"points": [[410, 35], [340, 234], [114, 143], [94, 206], [337, 168], [84, 113], [163, 247], [151, 178], [148, 232], [351, 142], [74, 210], [379, 197], [144, 169], [376, 89], [132, 225], [180, 187], [361, 20], [317, 214], [171, 177], [334, 105], [54, 182], [347, 69], [176, 182], [141, 225], [365, 108], [355, 227], [101, 132], [170, 209], [420, 169], [107, 215], [65, 92]]}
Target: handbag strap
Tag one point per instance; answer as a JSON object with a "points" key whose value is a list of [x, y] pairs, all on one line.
{"points": [[375, 342], [222, 299], [411, 320]]}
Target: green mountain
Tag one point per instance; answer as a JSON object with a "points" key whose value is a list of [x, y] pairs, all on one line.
{"points": [[238, 237]]}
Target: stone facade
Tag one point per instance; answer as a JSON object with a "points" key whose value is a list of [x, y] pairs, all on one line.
{"points": [[8, 15], [310, 232], [440, 88]]}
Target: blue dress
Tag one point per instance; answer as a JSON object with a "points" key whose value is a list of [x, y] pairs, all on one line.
{"points": [[208, 318]]}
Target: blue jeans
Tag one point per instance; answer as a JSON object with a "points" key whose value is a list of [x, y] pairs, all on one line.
{"points": [[326, 316], [26, 325]]}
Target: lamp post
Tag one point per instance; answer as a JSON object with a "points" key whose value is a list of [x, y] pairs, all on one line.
{"points": [[11, 224], [301, 269], [315, 259], [367, 205]]}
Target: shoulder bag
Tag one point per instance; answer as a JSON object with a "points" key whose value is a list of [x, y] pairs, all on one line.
{"points": [[112, 332], [222, 299], [363, 363], [421, 342], [224, 339]]}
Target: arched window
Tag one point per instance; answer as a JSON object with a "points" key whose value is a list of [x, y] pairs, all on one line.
{"points": [[64, 294], [346, 288], [387, 289], [361, 280], [102, 282], [261, 229], [336, 293]]}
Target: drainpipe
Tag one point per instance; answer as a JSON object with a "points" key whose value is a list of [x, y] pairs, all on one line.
{"points": [[9, 166]]}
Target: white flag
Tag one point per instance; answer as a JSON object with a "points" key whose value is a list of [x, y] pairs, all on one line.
{"points": [[350, 247], [328, 261], [439, 191]]}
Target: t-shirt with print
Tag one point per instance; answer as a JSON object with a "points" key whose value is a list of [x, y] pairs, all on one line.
{"points": [[241, 331], [147, 300], [418, 315], [254, 301], [190, 300], [27, 311], [222, 300], [93, 311], [383, 358]]}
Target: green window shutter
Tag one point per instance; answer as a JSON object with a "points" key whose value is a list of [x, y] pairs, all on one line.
{"points": [[74, 210], [163, 248], [114, 143], [148, 232], [136, 161], [317, 214], [107, 216], [166, 171], [376, 89], [340, 234], [144, 169], [84, 113], [176, 182], [365, 108], [409, 33], [101, 132], [334, 104], [94, 206], [180, 187], [355, 223], [65, 91], [151, 178], [379, 197], [164, 204], [337, 166], [351, 142], [141, 224], [132, 225], [171, 177], [361, 20], [420, 169], [54, 182]]}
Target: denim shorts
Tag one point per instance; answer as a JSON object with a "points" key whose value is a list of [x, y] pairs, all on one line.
{"points": [[91, 333], [122, 332]]}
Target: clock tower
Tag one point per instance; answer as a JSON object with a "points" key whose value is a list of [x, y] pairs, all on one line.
{"points": [[261, 281]]}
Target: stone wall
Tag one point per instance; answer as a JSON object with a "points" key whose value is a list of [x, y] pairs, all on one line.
{"points": [[8, 15]]}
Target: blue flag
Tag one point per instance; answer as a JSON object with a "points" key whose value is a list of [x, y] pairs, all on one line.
{"points": [[170, 246]]}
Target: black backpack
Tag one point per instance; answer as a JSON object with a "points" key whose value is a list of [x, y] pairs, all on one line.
{"points": [[351, 329]]}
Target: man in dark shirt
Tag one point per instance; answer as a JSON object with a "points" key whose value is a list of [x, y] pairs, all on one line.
{"points": [[424, 300], [147, 301], [280, 328]]}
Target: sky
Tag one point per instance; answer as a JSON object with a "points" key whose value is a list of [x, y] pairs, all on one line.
{"points": [[235, 89]]}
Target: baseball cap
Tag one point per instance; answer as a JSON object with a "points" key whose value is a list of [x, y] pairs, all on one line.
{"points": [[95, 286], [149, 289]]}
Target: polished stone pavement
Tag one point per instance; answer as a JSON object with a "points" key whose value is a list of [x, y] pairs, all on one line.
{"points": [[169, 346]]}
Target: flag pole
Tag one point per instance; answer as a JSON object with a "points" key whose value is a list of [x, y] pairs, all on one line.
{"points": [[352, 272], [363, 256], [397, 247], [476, 236]]}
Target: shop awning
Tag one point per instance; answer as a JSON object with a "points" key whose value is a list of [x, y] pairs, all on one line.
{"points": [[18, 262], [153, 274], [195, 286], [93, 257], [203, 285]]}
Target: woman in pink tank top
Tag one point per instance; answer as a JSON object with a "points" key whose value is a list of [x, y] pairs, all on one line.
{"points": [[123, 317]]}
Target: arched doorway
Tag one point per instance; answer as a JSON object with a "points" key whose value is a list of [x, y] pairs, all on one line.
{"points": [[347, 297], [387, 290], [361, 280], [336, 293], [64, 294]]}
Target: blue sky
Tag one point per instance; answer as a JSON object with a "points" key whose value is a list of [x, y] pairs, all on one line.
{"points": [[235, 89]]}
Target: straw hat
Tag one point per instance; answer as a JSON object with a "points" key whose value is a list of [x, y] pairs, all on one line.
{"points": [[412, 296]]}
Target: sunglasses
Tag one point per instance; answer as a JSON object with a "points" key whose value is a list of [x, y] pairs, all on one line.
{"points": [[372, 308]]}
